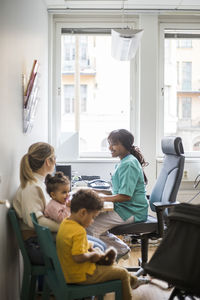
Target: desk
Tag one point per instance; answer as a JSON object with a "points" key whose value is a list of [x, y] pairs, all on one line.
{"points": [[107, 206]]}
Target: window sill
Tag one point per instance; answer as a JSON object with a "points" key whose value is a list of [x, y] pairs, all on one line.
{"points": [[191, 168], [194, 159], [90, 160]]}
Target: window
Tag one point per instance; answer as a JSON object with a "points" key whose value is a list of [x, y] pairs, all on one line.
{"points": [[196, 146], [104, 145], [178, 72], [69, 95], [83, 98], [68, 98], [68, 53], [184, 43], [186, 76], [186, 107], [95, 90], [182, 86]]}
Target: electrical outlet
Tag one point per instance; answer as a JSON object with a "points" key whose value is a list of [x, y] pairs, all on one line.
{"points": [[185, 174]]}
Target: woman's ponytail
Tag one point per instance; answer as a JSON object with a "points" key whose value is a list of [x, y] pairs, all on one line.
{"points": [[26, 173], [33, 161]]}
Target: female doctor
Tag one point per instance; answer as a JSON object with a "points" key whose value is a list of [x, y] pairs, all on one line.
{"points": [[128, 191]]}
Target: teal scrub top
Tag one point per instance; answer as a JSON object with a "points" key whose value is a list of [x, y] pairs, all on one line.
{"points": [[128, 179]]}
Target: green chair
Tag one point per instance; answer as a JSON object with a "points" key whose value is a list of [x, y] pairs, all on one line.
{"points": [[54, 276], [31, 272]]}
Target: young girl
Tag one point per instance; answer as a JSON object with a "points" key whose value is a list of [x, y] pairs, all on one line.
{"points": [[58, 187]]}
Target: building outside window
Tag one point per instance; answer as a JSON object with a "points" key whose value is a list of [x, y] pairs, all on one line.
{"points": [[182, 87], [68, 54], [196, 146], [68, 98], [184, 43], [95, 90], [69, 95], [186, 107], [186, 76], [178, 72], [83, 98]]}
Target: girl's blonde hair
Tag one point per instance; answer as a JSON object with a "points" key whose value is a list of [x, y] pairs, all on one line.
{"points": [[33, 161]]}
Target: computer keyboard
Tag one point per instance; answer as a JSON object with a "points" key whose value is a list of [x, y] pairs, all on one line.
{"points": [[89, 178]]}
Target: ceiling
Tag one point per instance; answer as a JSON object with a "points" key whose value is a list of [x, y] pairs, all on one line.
{"points": [[177, 5]]}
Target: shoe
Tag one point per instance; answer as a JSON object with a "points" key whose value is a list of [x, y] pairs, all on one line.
{"points": [[126, 256], [123, 256], [140, 282]]}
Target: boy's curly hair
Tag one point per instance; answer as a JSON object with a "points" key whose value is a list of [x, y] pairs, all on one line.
{"points": [[86, 198], [52, 182]]}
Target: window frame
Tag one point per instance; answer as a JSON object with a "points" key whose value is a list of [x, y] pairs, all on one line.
{"points": [[55, 81], [169, 26]]}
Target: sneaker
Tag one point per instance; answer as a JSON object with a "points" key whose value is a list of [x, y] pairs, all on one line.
{"points": [[140, 282], [126, 256], [123, 256]]}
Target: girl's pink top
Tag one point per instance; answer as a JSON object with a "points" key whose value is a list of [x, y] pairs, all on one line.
{"points": [[56, 211]]}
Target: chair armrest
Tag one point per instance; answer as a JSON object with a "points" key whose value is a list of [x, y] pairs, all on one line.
{"points": [[160, 207]]}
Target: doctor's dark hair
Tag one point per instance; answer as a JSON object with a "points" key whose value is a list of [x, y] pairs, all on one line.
{"points": [[126, 138], [53, 181], [87, 199]]}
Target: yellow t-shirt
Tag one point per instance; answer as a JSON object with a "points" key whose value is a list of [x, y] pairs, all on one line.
{"points": [[72, 240]]}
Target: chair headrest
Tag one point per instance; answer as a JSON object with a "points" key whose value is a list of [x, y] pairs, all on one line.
{"points": [[172, 145]]}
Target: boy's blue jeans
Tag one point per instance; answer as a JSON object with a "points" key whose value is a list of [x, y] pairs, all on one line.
{"points": [[97, 243]]}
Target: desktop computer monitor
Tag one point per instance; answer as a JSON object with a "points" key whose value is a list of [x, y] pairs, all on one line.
{"points": [[66, 169]]}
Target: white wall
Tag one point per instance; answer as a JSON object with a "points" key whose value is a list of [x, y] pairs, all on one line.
{"points": [[23, 38]]}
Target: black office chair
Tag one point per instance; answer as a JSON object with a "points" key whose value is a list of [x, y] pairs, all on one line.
{"points": [[163, 196], [176, 260]]}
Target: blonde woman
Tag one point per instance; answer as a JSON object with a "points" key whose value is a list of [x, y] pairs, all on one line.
{"points": [[31, 195]]}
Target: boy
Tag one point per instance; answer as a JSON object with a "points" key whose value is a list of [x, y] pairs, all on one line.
{"points": [[77, 258]]}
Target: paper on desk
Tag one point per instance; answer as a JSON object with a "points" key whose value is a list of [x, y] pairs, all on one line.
{"points": [[108, 205], [102, 195]]}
